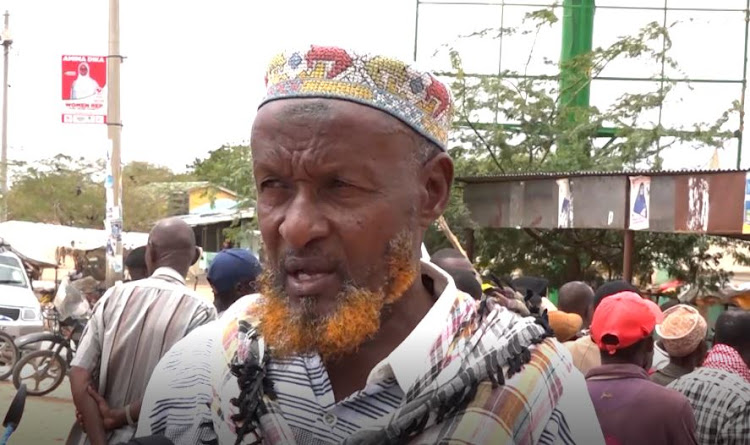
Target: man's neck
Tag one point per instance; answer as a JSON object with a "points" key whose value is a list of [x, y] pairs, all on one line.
{"points": [[349, 374], [179, 270]]}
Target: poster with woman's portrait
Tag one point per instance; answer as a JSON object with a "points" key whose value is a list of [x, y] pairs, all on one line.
{"points": [[640, 202], [564, 204]]}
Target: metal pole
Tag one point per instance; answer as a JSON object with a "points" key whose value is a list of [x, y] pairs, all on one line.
{"points": [[416, 31], [577, 39], [114, 130], [7, 41], [744, 87], [628, 239]]}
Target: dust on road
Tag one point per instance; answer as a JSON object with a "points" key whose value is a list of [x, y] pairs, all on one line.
{"points": [[46, 420]]}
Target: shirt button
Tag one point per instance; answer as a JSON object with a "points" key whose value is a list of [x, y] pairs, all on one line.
{"points": [[330, 419]]}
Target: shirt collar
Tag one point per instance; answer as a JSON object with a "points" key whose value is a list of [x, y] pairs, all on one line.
{"points": [[412, 358], [617, 371], [169, 272], [674, 371]]}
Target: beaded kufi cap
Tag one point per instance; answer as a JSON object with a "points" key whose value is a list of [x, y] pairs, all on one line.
{"points": [[682, 330], [416, 98]]}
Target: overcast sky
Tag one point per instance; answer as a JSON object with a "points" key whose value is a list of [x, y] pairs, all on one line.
{"points": [[194, 69]]}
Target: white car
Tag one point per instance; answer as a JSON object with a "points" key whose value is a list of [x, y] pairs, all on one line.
{"points": [[20, 311]]}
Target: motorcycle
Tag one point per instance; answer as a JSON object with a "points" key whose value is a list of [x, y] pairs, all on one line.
{"points": [[46, 356], [15, 412], [53, 363]]}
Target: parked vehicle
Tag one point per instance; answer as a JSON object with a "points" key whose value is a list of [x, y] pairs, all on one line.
{"points": [[20, 311], [42, 371]]}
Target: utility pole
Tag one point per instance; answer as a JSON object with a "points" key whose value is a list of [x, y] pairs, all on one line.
{"points": [[7, 41], [577, 39], [113, 224]]}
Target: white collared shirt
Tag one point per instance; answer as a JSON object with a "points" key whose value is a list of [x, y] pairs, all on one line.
{"points": [[132, 326], [401, 362]]}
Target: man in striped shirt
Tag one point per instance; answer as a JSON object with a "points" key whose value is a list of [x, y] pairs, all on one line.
{"points": [[131, 328], [352, 337]]}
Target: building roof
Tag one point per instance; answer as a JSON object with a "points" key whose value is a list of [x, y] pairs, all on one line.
{"points": [[204, 219], [40, 241], [527, 176], [185, 186]]}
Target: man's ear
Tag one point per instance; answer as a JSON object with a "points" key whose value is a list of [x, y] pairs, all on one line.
{"points": [[436, 179]]}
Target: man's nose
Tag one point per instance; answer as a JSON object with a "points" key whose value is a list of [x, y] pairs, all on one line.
{"points": [[303, 222]]}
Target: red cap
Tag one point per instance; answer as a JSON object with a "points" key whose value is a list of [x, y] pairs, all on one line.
{"points": [[626, 316]]}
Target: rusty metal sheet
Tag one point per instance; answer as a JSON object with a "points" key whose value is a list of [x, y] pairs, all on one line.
{"points": [[693, 202], [516, 204], [539, 204], [661, 215], [709, 203], [599, 202], [489, 204], [512, 204]]}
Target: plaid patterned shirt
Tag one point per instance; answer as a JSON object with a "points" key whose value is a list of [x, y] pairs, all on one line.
{"points": [[726, 358], [188, 398], [721, 403]]}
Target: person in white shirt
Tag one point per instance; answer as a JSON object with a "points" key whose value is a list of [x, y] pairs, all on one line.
{"points": [[84, 86]]}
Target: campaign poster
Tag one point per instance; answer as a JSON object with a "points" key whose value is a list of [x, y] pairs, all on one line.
{"points": [[640, 202], [564, 204], [746, 216], [84, 89]]}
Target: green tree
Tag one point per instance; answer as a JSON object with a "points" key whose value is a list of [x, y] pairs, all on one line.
{"points": [[70, 191], [544, 137], [60, 190], [231, 167], [141, 207]]}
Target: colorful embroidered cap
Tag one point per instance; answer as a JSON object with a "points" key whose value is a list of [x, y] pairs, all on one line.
{"points": [[623, 320], [416, 98]]}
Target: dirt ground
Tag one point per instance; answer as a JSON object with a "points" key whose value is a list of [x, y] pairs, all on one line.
{"points": [[45, 419]]}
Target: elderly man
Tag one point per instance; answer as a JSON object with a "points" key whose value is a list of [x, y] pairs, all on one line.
{"points": [[132, 327], [683, 334], [577, 297], [720, 390], [233, 273], [353, 339], [631, 408]]}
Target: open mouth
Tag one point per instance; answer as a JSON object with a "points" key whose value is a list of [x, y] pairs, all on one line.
{"points": [[306, 278]]}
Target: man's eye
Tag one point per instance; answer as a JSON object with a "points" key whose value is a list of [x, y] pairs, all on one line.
{"points": [[337, 183], [271, 183]]}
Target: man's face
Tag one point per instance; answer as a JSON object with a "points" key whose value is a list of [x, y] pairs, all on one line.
{"points": [[340, 207]]}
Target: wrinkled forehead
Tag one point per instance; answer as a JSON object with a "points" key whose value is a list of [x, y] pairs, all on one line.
{"points": [[330, 125]]}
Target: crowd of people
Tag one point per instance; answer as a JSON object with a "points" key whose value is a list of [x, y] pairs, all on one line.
{"points": [[348, 334]]}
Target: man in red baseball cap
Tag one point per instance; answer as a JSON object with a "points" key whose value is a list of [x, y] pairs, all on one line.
{"points": [[630, 407]]}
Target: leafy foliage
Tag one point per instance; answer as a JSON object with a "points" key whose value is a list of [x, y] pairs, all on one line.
{"points": [[70, 191], [60, 190], [549, 133], [231, 167]]}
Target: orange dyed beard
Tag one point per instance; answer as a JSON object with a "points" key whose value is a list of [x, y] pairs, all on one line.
{"points": [[357, 318]]}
